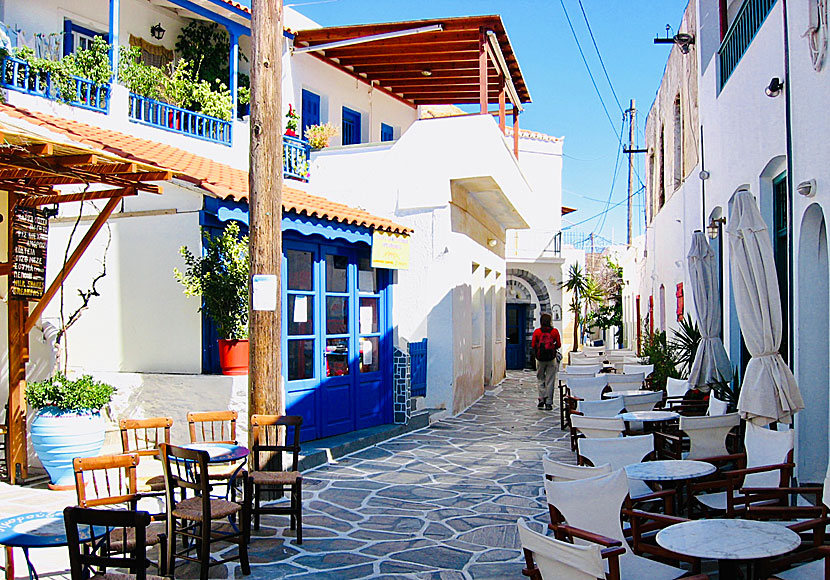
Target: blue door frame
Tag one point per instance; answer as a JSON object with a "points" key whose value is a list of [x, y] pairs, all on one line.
{"points": [[516, 342], [366, 390]]}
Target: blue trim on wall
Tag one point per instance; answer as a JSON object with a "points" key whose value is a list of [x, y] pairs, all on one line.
{"points": [[232, 26], [69, 27], [218, 211]]}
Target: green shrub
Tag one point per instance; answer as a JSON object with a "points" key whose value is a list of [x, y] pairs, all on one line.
{"points": [[220, 277], [657, 351], [69, 394]]}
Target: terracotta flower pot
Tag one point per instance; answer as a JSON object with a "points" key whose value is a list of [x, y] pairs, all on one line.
{"points": [[233, 356]]}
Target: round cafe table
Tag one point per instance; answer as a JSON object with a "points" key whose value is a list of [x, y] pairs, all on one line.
{"points": [[729, 541], [36, 530], [224, 453], [679, 471], [630, 393], [649, 416]]}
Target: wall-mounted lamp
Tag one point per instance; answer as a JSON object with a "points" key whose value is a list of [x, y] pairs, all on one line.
{"points": [[492, 242], [774, 87], [713, 229], [157, 32], [426, 72], [683, 40], [806, 188], [51, 212], [703, 175]]}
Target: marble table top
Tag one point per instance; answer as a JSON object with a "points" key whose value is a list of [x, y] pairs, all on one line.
{"points": [[729, 539], [649, 416], [669, 470], [631, 393]]}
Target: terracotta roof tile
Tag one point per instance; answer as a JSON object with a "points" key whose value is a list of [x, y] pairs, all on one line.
{"points": [[219, 179]]}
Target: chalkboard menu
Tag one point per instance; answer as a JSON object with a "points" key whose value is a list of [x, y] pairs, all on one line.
{"points": [[30, 230]]}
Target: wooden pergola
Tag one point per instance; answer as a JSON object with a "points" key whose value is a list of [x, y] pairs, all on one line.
{"points": [[449, 61], [32, 167]]}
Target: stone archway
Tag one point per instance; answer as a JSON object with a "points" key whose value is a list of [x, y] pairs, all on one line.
{"points": [[541, 295], [813, 346]]}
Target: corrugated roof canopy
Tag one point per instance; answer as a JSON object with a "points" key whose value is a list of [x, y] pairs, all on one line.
{"points": [[427, 68], [32, 165]]}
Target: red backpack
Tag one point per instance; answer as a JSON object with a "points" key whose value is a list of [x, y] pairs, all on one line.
{"points": [[546, 347]]}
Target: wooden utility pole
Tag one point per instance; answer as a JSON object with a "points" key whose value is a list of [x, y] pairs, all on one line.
{"points": [[632, 112], [265, 390]]}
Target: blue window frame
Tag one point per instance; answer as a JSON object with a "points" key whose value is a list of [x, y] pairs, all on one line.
{"points": [[351, 126], [78, 37], [311, 110], [387, 133]]}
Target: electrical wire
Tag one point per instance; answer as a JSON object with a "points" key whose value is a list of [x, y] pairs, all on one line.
{"points": [[601, 224], [619, 203], [601, 62], [588, 68]]}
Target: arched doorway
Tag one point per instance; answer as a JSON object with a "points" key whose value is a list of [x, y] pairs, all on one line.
{"points": [[813, 330], [527, 297]]}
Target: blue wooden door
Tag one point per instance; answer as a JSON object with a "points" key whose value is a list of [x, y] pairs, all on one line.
{"points": [[311, 110], [516, 342], [418, 368], [351, 126]]}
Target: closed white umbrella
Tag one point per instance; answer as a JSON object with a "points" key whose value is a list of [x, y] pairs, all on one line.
{"points": [[711, 364], [769, 392]]}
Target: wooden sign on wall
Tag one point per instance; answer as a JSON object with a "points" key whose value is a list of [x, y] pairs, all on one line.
{"points": [[30, 231]]}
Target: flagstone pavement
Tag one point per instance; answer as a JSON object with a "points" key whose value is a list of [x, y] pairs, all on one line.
{"points": [[436, 504]]}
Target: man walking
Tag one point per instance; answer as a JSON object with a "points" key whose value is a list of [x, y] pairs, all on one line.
{"points": [[546, 344]]}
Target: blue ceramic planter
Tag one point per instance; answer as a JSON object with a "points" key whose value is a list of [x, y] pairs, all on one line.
{"points": [[60, 436]]}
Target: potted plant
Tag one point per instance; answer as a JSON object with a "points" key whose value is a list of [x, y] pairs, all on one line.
{"points": [[318, 136], [220, 277], [291, 123], [68, 423]]}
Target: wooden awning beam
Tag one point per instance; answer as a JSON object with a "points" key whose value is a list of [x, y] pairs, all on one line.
{"points": [[36, 200], [93, 230]]}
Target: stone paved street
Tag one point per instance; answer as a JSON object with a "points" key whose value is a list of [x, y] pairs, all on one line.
{"points": [[440, 503]]}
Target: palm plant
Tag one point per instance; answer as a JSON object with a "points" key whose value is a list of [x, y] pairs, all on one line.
{"points": [[684, 342], [584, 292]]}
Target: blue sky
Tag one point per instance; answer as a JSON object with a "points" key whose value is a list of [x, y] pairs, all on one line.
{"points": [[564, 100]]}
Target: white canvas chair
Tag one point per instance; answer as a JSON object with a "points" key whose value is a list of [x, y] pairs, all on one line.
{"points": [[644, 402], [587, 360], [814, 570], [626, 382], [638, 368], [593, 350], [558, 471], [768, 464], [551, 559], [589, 370], [598, 426], [586, 388], [707, 437], [619, 452], [593, 505], [603, 408], [716, 406], [619, 366], [676, 387]]}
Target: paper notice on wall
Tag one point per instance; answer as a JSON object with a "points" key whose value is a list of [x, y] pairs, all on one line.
{"points": [[264, 292], [300, 309], [367, 314], [366, 351]]}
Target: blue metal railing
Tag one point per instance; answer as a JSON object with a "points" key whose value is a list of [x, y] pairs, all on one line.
{"points": [[747, 22], [178, 120], [18, 75], [295, 158]]}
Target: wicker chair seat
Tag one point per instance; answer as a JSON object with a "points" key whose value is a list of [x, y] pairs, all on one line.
{"points": [[150, 484], [274, 477], [155, 534], [191, 509], [118, 576]]}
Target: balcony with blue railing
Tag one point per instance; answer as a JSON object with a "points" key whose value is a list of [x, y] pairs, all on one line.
{"points": [[19, 75], [743, 29], [295, 158], [172, 118]]}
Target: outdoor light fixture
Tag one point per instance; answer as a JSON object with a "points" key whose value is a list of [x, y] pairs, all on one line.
{"points": [[703, 175], [492, 242], [806, 188], [157, 32], [774, 87], [426, 72], [713, 229], [683, 40]]}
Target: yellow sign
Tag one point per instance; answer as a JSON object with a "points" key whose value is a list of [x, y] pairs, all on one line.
{"points": [[390, 250]]}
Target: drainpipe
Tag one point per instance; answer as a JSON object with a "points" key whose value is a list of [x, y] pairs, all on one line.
{"points": [[233, 81], [789, 133], [115, 13]]}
